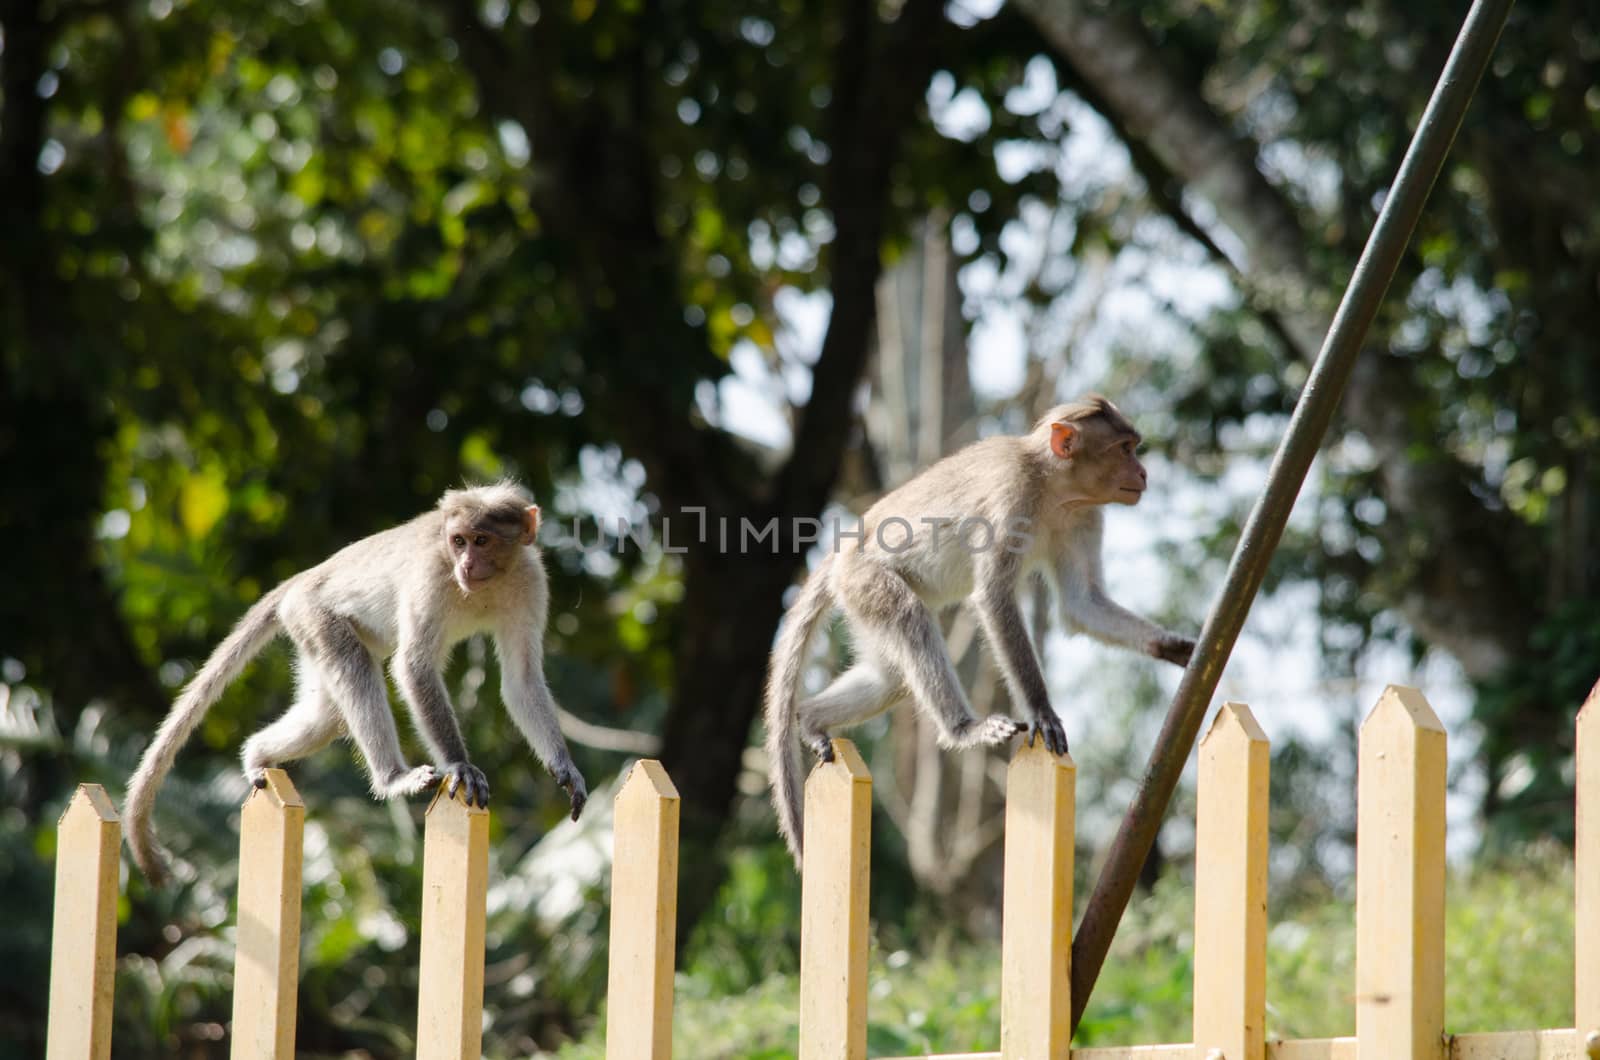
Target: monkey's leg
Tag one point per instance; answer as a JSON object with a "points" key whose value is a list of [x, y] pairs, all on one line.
{"points": [[864, 691], [353, 678], [310, 724], [903, 633], [1007, 633]]}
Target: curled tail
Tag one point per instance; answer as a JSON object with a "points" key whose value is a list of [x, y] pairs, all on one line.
{"points": [[783, 684], [252, 633]]}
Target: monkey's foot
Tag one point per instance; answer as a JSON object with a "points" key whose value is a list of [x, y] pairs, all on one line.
{"points": [[991, 731], [464, 776], [818, 744], [577, 792], [996, 729], [1049, 726], [411, 782]]}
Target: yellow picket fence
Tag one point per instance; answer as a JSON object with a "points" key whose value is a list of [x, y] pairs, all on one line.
{"points": [[1400, 866], [455, 878]]}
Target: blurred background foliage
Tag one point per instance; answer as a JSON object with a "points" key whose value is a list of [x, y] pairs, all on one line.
{"points": [[273, 276]]}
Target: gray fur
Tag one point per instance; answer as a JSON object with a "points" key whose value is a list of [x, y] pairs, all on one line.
{"points": [[788, 659], [410, 593], [253, 632], [890, 595]]}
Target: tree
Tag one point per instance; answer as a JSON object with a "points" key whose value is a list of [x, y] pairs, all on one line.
{"points": [[838, 135], [1469, 508], [359, 256]]}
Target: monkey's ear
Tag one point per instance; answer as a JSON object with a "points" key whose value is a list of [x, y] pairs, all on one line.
{"points": [[530, 524], [1064, 440]]}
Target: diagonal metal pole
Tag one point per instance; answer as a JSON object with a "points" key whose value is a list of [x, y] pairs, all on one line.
{"points": [[1307, 426]]}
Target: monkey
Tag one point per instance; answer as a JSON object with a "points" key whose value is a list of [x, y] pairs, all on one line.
{"points": [[973, 526], [408, 594]]}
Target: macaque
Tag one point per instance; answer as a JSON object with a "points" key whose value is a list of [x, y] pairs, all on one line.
{"points": [[408, 594], [974, 526]]}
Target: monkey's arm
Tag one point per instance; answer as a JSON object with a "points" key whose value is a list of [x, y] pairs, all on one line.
{"points": [[1085, 606], [533, 709], [416, 673], [1004, 626]]}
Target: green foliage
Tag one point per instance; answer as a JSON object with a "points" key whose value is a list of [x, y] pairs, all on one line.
{"points": [[753, 931], [1530, 781]]}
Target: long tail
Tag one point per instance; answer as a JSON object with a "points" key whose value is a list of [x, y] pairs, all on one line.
{"points": [[252, 633], [783, 683]]}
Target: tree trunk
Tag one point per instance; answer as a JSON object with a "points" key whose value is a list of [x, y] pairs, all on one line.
{"points": [[597, 193], [53, 420]]}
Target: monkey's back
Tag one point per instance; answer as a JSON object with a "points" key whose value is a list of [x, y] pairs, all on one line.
{"points": [[365, 581], [931, 529]]}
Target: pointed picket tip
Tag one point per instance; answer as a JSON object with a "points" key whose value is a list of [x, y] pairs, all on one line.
{"points": [[278, 790], [847, 764], [1234, 721], [1591, 706], [1402, 706], [90, 800], [455, 804], [1588, 723], [1036, 755], [648, 780]]}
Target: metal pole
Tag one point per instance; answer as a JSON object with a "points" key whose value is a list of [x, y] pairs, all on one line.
{"points": [[1307, 426]]}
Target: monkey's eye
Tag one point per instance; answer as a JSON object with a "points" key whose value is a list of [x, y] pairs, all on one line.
{"points": [[481, 540], [458, 541]]}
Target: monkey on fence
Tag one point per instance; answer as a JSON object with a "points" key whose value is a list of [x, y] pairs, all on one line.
{"points": [[411, 592], [973, 526]]}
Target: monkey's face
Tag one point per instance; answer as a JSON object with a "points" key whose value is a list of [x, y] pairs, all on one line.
{"points": [[478, 553], [1099, 461], [1124, 473]]}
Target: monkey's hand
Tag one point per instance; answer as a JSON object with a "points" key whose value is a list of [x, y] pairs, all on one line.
{"points": [[570, 779], [1173, 648], [1049, 726], [459, 775]]}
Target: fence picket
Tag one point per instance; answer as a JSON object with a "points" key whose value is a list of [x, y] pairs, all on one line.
{"points": [[1587, 871], [1036, 927], [84, 929], [1400, 790], [644, 909], [455, 884], [1230, 902], [266, 966], [833, 908]]}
